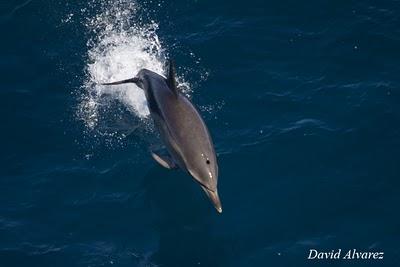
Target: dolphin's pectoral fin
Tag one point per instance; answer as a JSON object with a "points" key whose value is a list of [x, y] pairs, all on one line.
{"points": [[164, 160]]}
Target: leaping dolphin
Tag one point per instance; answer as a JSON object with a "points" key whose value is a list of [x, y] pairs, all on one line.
{"points": [[183, 131]]}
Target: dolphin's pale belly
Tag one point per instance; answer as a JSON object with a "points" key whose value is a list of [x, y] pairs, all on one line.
{"points": [[168, 140]]}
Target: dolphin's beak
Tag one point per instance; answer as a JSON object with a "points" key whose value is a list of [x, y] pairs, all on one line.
{"points": [[132, 80], [213, 196]]}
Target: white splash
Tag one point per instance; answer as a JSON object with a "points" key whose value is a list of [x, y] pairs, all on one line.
{"points": [[121, 45], [120, 56]]}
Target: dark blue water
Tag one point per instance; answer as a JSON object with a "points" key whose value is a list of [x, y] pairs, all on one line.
{"points": [[304, 113]]}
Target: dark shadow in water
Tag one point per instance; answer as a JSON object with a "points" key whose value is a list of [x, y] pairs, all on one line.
{"points": [[181, 216]]}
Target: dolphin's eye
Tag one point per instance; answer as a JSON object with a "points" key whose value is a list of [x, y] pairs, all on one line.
{"points": [[208, 161]]}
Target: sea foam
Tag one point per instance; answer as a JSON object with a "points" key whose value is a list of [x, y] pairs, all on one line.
{"points": [[122, 39], [120, 45]]}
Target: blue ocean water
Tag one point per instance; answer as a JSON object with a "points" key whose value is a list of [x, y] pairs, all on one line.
{"points": [[301, 97]]}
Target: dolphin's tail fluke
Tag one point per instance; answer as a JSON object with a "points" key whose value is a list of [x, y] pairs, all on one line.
{"points": [[213, 196], [132, 80]]}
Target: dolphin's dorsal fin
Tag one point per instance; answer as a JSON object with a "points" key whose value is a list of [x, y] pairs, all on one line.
{"points": [[171, 81]]}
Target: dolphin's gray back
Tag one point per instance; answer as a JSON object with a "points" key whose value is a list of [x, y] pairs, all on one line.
{"points": [[182, 129]]}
